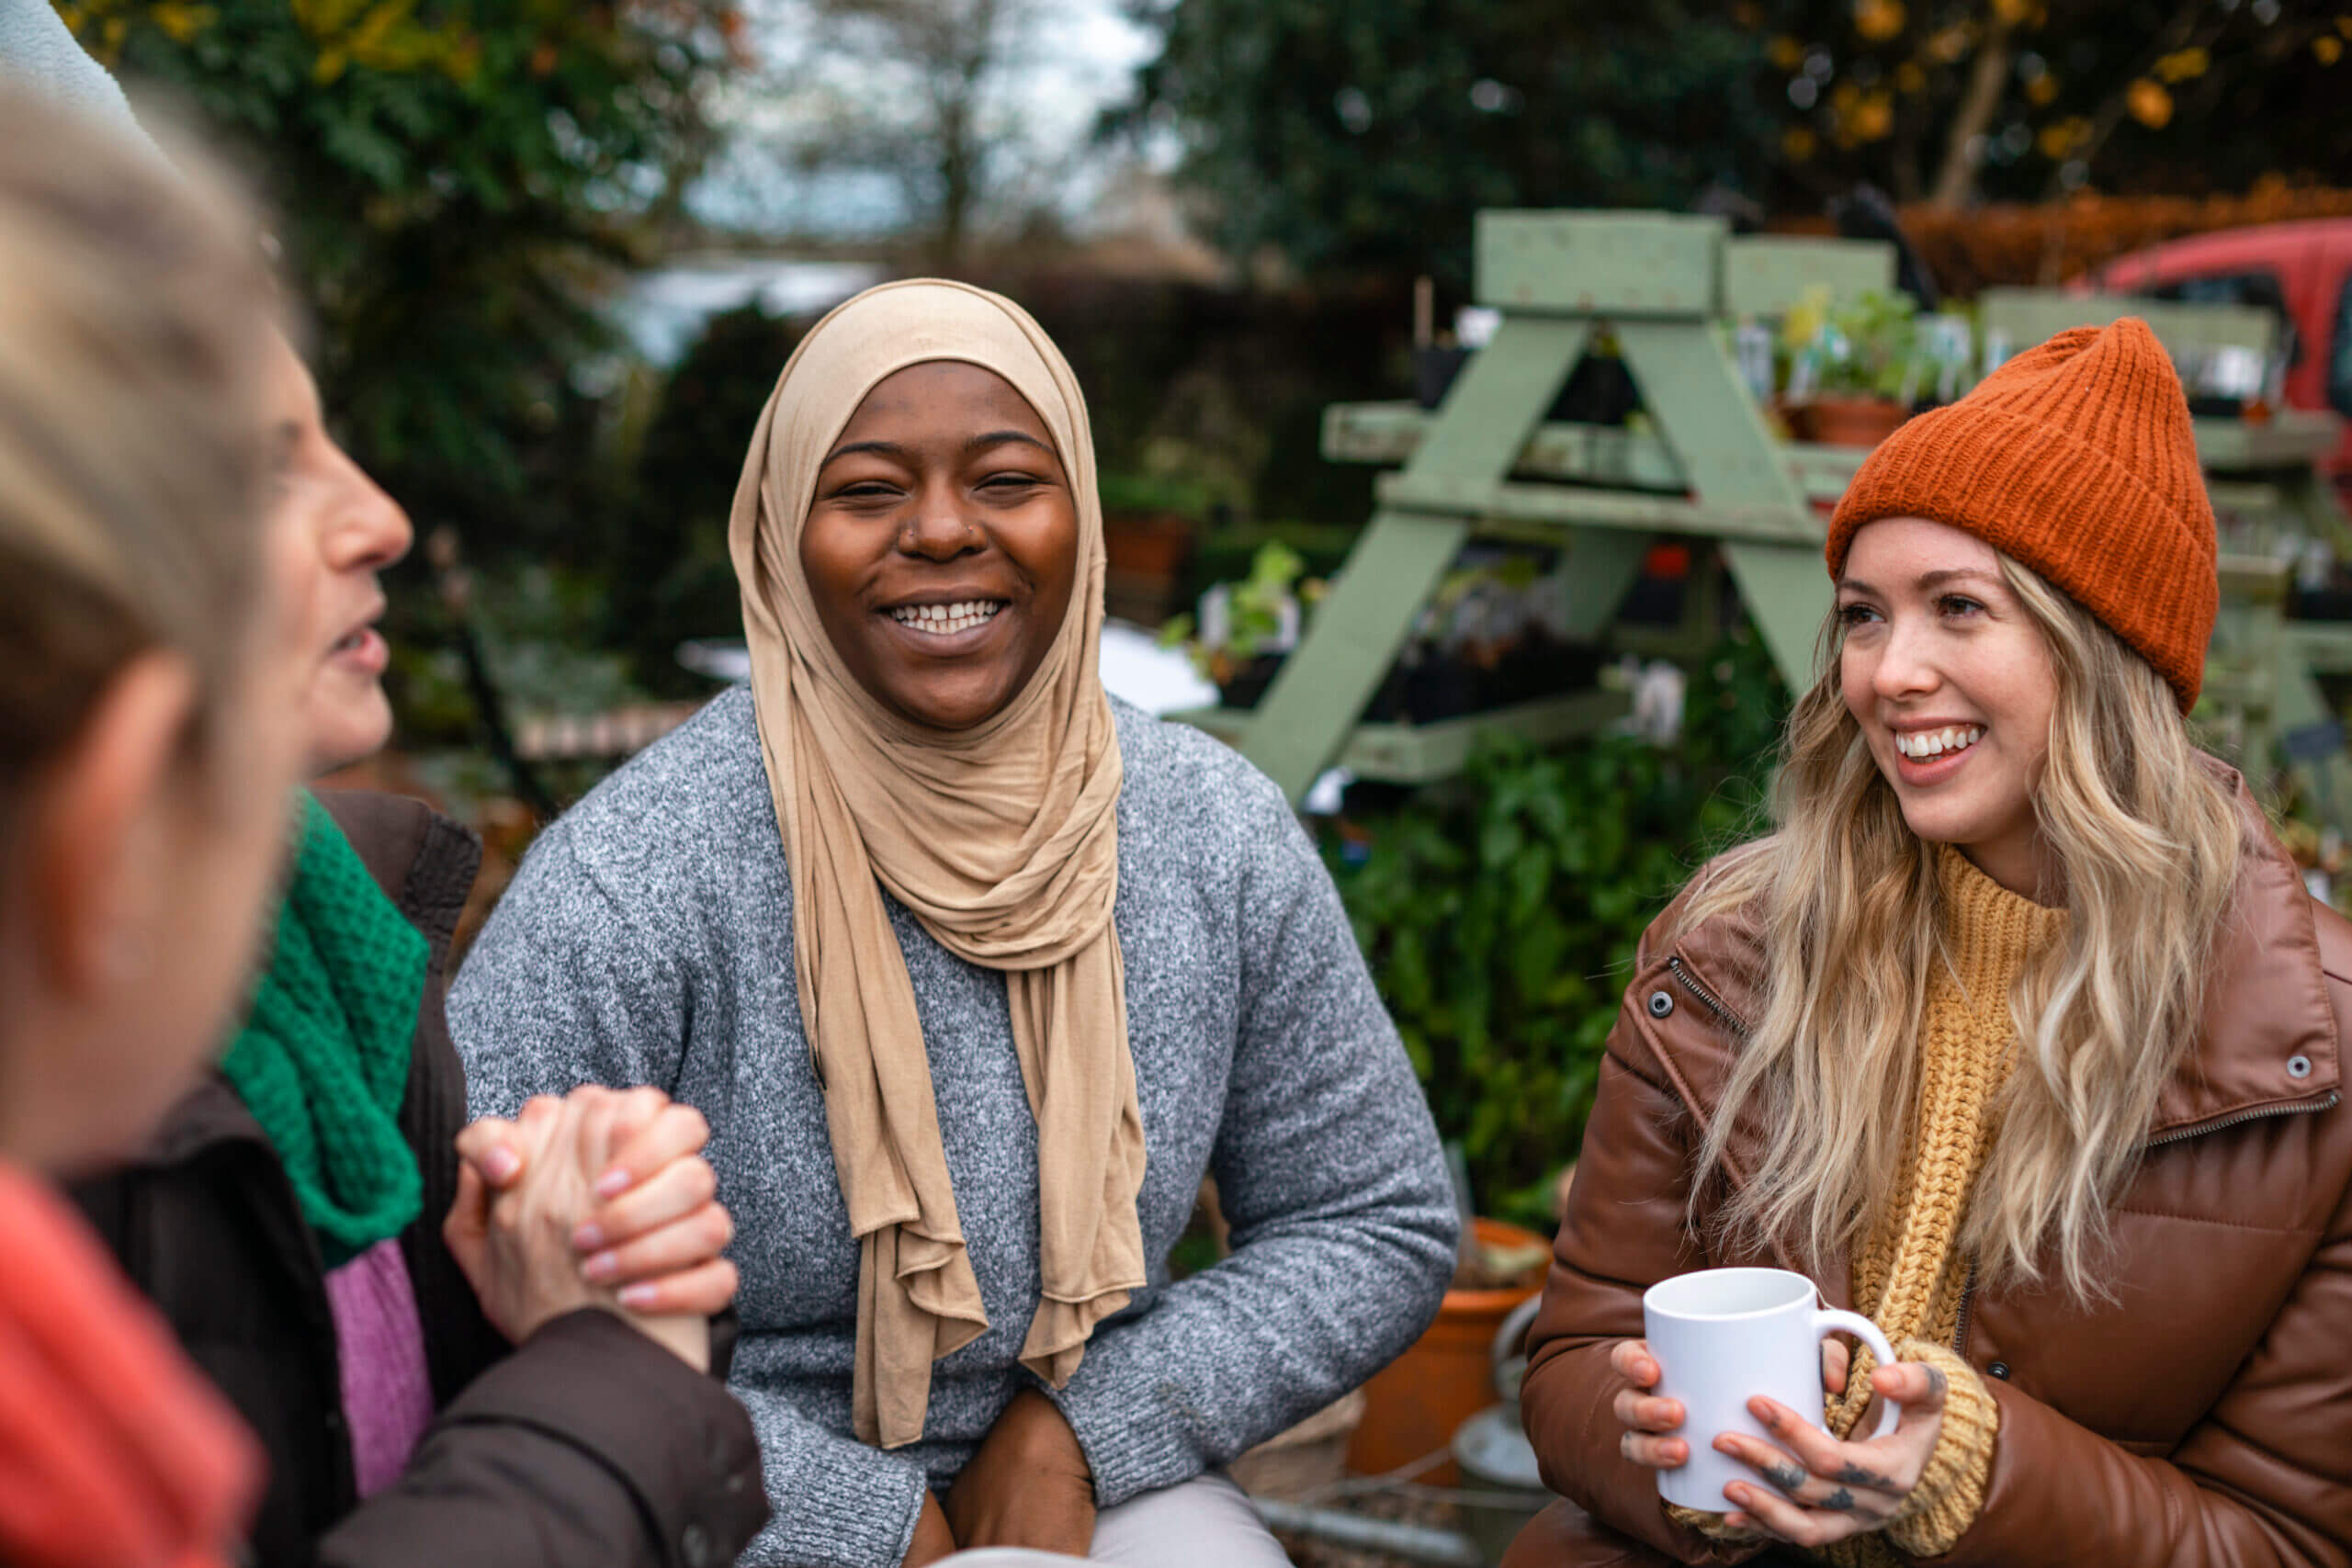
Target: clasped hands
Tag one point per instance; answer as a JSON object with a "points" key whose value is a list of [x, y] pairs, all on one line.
{"points": [[1027, 1485], [599, 1199], [1829, 1490]]}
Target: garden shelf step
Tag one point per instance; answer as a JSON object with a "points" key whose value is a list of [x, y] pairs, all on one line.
{"points": [[1419, 754]]}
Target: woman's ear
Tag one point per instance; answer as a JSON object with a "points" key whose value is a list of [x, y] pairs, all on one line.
{"points": [[98, 849]]}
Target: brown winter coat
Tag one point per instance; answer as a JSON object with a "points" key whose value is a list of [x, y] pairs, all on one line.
{"points": [[588, 1446], [2202, 1417]]}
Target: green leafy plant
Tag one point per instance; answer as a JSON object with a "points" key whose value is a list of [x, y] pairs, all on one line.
{"points": [[1870, 347], [1500, 913], [1253, 614], [456, 185]]}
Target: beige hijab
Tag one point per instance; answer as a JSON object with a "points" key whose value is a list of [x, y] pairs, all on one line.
{"points": [[1003, 839]]}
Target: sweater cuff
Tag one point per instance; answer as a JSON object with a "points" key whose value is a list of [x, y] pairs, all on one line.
{"points": [[1950, 1491], [1713, 1525], [1132, 1443]]}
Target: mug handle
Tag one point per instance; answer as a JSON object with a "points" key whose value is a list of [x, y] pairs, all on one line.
{"points": [[1830, 1321]]}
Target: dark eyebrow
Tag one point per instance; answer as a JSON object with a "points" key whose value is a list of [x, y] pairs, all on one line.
{"points": [[998, 437], [886, 449], [977, 443]]}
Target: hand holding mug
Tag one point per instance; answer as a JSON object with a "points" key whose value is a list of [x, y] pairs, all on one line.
{"points": [[1652, 1424], [1731, 1354], [1833, 1490]]}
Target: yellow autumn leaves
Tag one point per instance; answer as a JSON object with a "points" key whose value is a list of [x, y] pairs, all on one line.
{"points": [[1854, 114], [380, 35], [1878, 20], [100, 26], [384, 36]]}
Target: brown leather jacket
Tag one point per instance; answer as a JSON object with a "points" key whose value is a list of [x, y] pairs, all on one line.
{"points": [[2204, 1417]]}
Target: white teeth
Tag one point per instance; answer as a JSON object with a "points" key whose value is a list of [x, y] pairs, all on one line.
{"points": [[1923, 744], [946, 620]]}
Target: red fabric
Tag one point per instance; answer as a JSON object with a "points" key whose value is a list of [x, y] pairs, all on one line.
{"points": [[114, 1452]]}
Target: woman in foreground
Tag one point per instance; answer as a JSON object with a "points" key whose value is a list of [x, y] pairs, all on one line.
{"points": [[975, 974], [2019, 1035], [436, 1366], [150, 629]]}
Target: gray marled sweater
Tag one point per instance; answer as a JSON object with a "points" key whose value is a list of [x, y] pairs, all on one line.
{"points": [[647, 938]]}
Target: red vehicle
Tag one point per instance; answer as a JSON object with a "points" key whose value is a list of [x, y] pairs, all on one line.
{"points": [[2301, 271]]}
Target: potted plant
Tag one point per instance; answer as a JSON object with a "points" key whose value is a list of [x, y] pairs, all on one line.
{"points": [[1243, 629], [1147, 537], [1414, 1406], [1853, 380]]}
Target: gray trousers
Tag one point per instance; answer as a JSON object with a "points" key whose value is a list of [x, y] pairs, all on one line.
{"points": [[1205, 1522]]}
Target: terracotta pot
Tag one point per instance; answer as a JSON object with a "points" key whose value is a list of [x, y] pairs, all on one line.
{"points": [[1853, 421], [1307, 1458], [1412, 1408], [1148, 546]]}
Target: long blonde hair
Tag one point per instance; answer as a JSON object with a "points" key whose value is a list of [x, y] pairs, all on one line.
{"points": [[2149, 847]]}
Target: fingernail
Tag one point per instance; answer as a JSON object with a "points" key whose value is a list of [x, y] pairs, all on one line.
{"points": [[604, 1266], [500, 1164], [587, 1238], [613, 1183], [637, 1296]]}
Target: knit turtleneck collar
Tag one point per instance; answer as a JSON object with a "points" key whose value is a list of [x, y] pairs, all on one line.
{"points": [[1989, 931]]}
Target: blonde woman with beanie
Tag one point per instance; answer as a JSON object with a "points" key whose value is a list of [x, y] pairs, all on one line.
{"points": [[2019, 1035]]}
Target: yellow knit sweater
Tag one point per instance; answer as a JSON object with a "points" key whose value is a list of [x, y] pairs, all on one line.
{"points": [[1909, 1276]]}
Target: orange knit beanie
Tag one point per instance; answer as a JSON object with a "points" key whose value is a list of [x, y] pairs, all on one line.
{"points": [[2075, 461]]}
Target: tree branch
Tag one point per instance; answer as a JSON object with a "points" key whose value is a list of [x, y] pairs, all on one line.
{"points": [[1956, 180]]}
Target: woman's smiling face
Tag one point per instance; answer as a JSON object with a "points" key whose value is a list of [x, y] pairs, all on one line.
{"points": [[1952, 683], [942, 544]]}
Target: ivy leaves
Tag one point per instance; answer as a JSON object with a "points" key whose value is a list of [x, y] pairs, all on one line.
{"points": [[1500, 913]]}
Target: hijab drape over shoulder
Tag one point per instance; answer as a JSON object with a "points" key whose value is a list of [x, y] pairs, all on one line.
{"points": [[1003, 839]]}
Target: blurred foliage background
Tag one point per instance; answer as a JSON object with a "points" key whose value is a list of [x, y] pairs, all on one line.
{"points": [[476, 195]]}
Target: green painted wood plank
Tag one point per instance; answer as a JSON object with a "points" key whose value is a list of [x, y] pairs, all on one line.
{"points": [[2291, 438], [1764, 274], [1615, 263], [1703, 412], [2322, 647], [2026, 316], [1498, 399], [1600, 567], [1787, 591], [1406, 754], [1323, 685], [1497, 507]]}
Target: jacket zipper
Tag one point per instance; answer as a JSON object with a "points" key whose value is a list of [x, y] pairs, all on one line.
{"points": [[2300, 1108], [1707, 998], [1968, 1291]]}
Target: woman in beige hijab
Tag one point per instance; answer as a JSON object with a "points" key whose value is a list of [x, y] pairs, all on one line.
{"points": [[975, 974]]}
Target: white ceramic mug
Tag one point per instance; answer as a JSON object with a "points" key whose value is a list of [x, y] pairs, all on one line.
{"points": [[1721, 1336]]}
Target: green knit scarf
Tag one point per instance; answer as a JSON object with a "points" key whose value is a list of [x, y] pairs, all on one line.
{"points": [[322, 1062]]}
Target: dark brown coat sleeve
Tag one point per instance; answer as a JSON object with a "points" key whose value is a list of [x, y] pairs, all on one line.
{"points": [[1625, 1230], [590, 1443]]}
